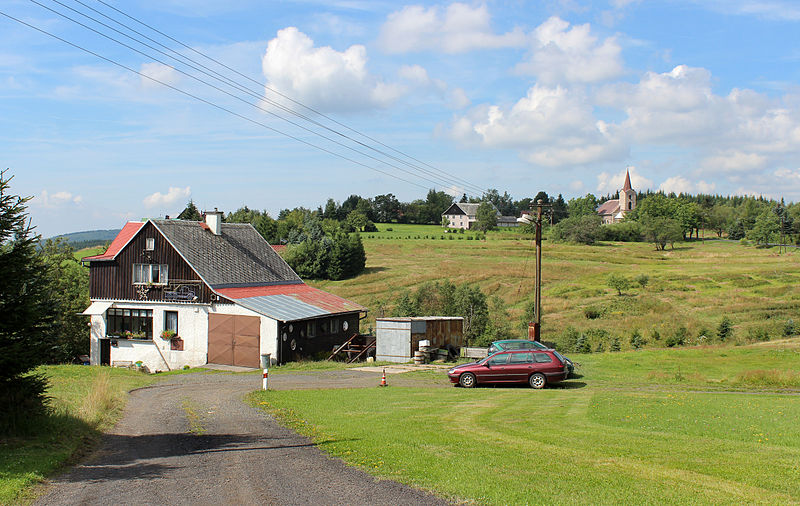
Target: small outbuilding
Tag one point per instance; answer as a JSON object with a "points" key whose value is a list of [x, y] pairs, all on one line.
{"points": [[398, 338]]}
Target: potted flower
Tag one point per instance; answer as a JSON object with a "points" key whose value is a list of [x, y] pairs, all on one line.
{"points": [[169, 335]]}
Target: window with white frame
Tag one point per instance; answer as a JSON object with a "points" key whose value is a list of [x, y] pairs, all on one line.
{"points": [[150, 273], [150, 243]]}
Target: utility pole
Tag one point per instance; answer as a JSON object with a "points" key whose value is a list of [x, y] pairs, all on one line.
{"points": [[537, 307]]}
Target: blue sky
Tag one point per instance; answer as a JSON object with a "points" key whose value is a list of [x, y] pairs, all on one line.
{"points": [[562, 96]]}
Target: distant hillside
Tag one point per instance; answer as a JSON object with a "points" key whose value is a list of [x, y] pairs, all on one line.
{"points": [[79, 240]]}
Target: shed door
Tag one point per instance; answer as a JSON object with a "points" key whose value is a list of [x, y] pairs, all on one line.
{"points": [[234, 340]]}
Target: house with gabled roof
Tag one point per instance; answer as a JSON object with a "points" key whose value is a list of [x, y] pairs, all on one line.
{"points": [[219, 288], [465, 214], [614, 211]]}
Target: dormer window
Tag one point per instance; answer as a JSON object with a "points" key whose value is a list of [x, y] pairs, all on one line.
{"points": [[150, 244], [150, 274]]}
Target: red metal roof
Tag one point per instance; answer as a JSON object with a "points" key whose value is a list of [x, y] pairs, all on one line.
{"points": [[125, 235], [301, 291], [278, 247]]}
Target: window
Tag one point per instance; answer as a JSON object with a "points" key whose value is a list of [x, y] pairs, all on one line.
{"points": [[521, 358], [499, 359], [311, 330], [150, 244], [150, 273], [542, 358], [334, 326], [130, 323], [323, 327], [171, 321]]}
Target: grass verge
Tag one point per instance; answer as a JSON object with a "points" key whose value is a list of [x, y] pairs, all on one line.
{"points": [[84, 402]]}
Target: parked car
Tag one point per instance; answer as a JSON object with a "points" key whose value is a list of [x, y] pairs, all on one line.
{"points": [[524, 344], [535, 367]]}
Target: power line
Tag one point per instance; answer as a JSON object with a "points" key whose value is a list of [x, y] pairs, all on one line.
{"points": [[225, 91], [456, 178], [207, 102]]}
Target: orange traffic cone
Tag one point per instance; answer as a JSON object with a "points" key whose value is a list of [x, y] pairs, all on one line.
{"points": [[383, 378]]}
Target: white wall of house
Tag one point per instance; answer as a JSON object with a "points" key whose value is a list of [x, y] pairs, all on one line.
{"points": [[459, 221], [192, 328]]}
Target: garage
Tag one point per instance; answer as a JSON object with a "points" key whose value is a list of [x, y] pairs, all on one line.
{"points": [[234, 340]]}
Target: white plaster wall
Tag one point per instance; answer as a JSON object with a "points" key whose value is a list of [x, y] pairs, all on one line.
{"points": [[192, 328]]}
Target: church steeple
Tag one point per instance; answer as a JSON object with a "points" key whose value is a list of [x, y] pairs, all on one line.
{"points": [[627, 185]]}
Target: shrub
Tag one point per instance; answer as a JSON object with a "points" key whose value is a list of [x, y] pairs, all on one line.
{"points": [[642, 280], [678, 338], [615, 345], [599, 348], [582, 345], [389, 229], [725, 329], [789, 328], [654, 335], [592, 313], [758, 334], [626, 231], [636, 340], [569, 339]]}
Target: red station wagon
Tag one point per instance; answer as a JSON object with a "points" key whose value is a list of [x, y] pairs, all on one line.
{"points": [[535, 367]]}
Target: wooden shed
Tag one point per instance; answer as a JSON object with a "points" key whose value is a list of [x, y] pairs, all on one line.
{"points": [[398, 338]]}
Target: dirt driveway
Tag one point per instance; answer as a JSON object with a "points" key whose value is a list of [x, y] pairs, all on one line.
{"points": [[191, 440]]}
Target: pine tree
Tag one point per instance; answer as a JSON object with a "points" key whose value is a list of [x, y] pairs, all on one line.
{"points": [[190, 213], [27, 315]]}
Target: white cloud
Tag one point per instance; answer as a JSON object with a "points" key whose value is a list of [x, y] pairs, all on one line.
{"points": [[418, 77], [457, 99], [550, 127], [561, 54], [160, 72], [577, 185], [734, 161], [322, 77], [610, 183], [704, 187], [57, 199], [457, 28], [173, 195], [677, 184]]}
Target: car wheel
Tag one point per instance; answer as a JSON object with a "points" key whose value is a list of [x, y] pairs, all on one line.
{"points": [[467, 380], [537, 380]]}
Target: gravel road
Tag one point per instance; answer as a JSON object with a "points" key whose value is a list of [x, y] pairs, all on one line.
{"points": [[192, 440]]}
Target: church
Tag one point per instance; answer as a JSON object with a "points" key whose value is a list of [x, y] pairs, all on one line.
{"points": [[613, 211]]}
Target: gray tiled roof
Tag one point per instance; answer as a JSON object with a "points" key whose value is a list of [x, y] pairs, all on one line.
{"points": [[239, 256]]}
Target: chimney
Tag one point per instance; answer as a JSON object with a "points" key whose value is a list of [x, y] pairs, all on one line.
{"points": [[214, 221]]}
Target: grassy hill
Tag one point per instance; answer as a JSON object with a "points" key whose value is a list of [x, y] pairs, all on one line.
{"points": [[692, 286], [88, 238]]}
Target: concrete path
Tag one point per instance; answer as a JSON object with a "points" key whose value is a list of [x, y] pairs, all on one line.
{"points": [[191, 440]]}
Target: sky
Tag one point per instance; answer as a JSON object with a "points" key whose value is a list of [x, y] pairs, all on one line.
{"points": [[556, 95]]}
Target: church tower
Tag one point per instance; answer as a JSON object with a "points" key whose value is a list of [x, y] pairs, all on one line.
{"points": [[627, 196]]}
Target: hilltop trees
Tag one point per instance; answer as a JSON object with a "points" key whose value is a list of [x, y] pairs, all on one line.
{"points": [[27, 314], [190, 213]]}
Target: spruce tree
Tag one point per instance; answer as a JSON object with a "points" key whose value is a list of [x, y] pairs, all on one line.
{"points": [[26, 314]]}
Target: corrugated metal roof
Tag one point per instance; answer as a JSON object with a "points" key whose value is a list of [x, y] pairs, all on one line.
{"points": [[282, 307], [328, 302], [123, 237]]}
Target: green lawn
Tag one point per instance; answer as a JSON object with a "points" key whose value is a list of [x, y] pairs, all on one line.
{"points": [[85, 401], [87, 252], [661, 426]]}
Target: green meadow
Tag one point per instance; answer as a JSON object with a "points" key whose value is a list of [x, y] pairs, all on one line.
{"points": [[693, 285], [697, 425]]}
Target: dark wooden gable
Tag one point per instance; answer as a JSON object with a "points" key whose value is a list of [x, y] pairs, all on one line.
{"points": [[113, 279], [453, 209]]}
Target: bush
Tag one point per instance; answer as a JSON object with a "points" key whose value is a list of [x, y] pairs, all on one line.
{"points": [[578, 229], [582, 345], [725, 329], [654, 335], [592, 313], [636, 340], [789, 328], [389, 229], [758, 335], [615, 345], [626, 231], [569, 339], [678, 338], [642, 280], [600, 348], [370, 227]]}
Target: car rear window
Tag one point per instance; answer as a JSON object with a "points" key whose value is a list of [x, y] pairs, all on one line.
{"points": [[521, 358], [542, 357]]}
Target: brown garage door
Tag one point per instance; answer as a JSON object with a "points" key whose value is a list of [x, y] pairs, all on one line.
{"points": [[233, 340]]}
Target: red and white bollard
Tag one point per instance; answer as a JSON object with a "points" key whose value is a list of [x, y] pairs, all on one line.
{"points": [[265, 359]]}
